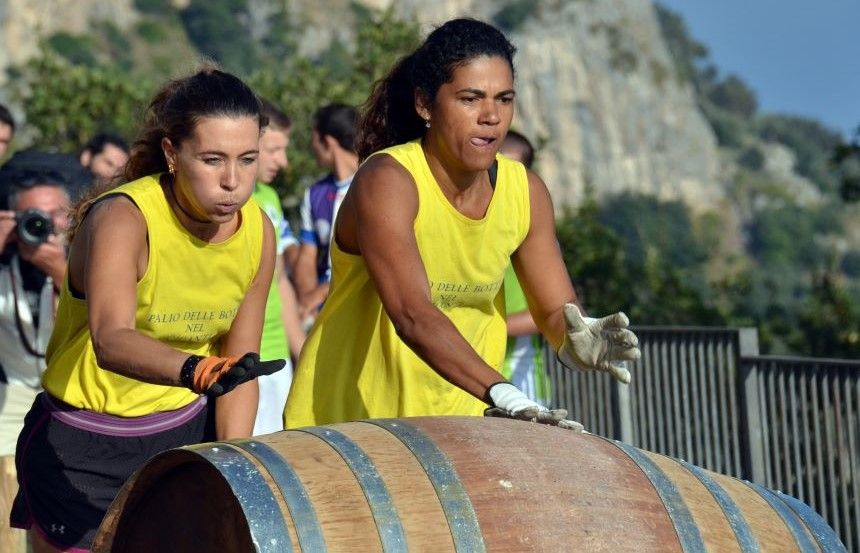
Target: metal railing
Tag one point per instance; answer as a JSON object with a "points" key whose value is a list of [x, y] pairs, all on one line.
{"points": [[705, 395], [807, 413]]}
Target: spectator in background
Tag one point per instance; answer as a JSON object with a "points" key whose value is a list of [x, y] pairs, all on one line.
{"points": [[32, 267], [283, 335], [523, 366], [333, 143], [105, 155], [7, 129]]}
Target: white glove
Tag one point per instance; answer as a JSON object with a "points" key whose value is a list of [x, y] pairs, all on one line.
{"points": [[511, 403], [598, 344]]}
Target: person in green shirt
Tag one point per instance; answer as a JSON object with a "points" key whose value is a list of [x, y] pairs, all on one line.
{"points": [[283, 335], [524, 361]]}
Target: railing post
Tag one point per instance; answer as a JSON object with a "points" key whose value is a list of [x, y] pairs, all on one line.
{"points": [[625, 413], [749, 387]]}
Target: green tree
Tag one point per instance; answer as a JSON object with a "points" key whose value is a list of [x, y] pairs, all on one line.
{"points": [[687, 53], [846, 159], [304, 85], [76, 49], [733, 95], [644, 221], [218, 28], [513, 14], [813, 145], [67, 104], [594, 258], [829, 322]]}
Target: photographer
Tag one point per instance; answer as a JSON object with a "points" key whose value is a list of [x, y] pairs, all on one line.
{"points": [[34, 207]]}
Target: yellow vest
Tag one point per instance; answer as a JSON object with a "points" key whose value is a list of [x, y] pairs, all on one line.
{"points": [[354, 366], [187, 299]]}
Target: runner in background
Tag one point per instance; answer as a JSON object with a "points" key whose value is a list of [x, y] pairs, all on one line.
{"points": [[524, 360], [283, 335]]}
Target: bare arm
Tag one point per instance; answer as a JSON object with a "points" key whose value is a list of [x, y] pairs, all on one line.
{"points": [[306, 270], [108, 257], [386, 240], [521, 324], [235, 411], [540, 267], [291, 256]]}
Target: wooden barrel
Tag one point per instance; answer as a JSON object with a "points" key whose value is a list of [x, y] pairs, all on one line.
{"points": [[465, 484]]}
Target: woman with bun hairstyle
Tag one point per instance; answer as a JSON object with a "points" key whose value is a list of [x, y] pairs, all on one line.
{"points": [[159, 316], [414, 323]]}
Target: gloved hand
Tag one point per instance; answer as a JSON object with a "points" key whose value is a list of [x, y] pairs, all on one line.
{"points": [[215, 376], [511, 403], [598, 344]]}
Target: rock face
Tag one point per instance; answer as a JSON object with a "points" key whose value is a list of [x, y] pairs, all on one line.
{"points": [[595, 85], [24, 22]]}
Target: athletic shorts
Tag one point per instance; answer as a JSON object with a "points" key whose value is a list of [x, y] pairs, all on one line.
{"points": [[72, 462]]}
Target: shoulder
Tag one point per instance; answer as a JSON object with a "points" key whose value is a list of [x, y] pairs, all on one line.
{"points": [[115, 208], [381, 171], [536, 184], [114, 215], [384, 186]]}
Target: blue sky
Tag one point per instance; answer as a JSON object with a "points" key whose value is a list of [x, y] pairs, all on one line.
{"points": [[802, 57]]}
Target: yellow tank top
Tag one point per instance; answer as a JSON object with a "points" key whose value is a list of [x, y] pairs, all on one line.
{"points": [[354, 366], [187, 298]]}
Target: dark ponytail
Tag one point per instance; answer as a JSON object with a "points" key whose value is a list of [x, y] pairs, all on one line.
{"points": [[389, 115]]}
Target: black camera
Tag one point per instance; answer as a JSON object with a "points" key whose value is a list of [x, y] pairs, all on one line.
{"points": [[34, 226]]}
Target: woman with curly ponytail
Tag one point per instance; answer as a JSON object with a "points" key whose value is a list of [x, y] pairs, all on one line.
{"points": [[414, 323]]}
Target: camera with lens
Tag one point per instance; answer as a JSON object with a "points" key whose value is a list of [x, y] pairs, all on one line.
{"points": [[33, 226]]}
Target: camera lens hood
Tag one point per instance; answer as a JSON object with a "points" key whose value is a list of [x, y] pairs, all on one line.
{"points": [[33, 226]]}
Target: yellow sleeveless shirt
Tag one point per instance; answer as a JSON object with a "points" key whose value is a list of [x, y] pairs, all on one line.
{"points": [[187, 299], [354, 366]]}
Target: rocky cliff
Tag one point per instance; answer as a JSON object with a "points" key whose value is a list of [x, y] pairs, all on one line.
{"points": [[595, 86]]}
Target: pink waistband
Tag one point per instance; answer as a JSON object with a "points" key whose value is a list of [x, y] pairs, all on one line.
{"points": [[112, 425]]}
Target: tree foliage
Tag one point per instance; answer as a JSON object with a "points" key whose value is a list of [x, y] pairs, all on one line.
{"points": [[846, 159], [685, 50], [513, 14], [67, 104], [813, 145], [304, 84], [219, 30]]}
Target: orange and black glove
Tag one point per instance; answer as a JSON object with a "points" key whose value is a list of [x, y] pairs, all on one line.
{"points": [[215, 376]]}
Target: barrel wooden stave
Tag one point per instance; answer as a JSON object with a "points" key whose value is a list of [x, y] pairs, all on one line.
{"points": [[771, 532], [340, 505], [537, 488], [413, 495]]}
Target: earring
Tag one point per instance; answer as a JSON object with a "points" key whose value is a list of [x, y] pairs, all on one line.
{"points": [[427, 123], [170, 168]]}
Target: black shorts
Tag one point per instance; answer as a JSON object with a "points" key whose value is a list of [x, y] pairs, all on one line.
{"points": [[68, 476]]}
